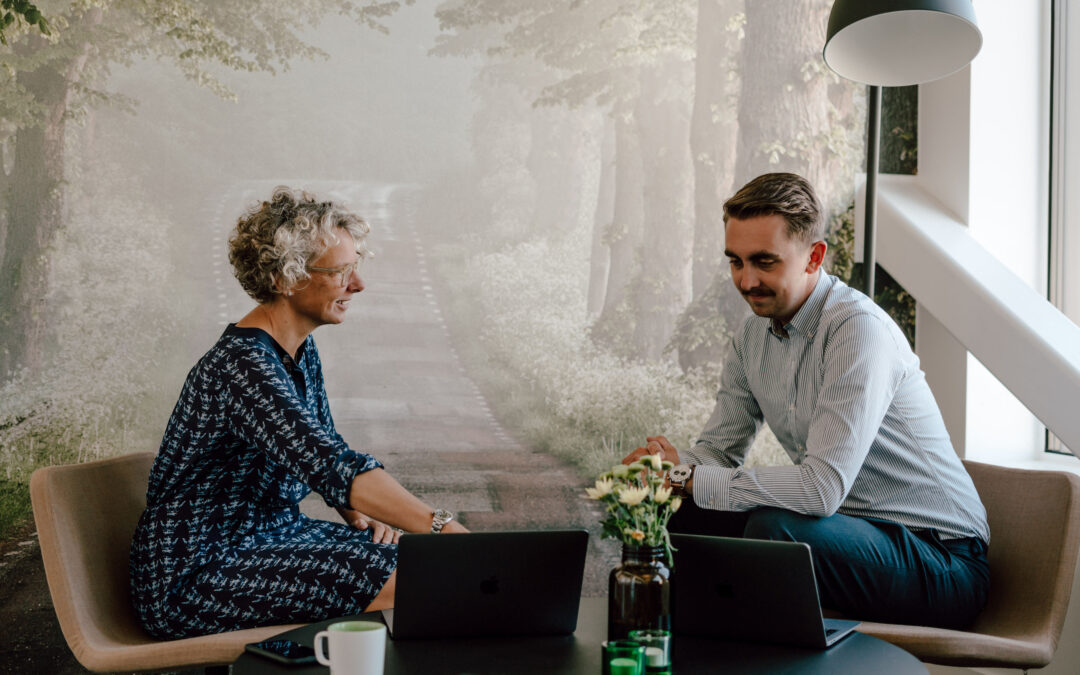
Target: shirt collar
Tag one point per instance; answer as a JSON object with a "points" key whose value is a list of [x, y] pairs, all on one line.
{"points": [[807, 319], [267, 340]]}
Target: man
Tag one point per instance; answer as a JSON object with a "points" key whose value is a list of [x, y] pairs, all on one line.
{"points": [[896, 527]]}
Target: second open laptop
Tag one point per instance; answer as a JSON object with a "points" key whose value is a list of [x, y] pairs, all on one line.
{"points": [[749, 589], [488, 583]]}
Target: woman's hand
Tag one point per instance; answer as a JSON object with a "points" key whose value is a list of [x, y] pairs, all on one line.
{"points": [[381, 533]]}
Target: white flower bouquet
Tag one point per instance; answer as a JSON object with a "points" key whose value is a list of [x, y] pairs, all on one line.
{"points": [[638, 506]]}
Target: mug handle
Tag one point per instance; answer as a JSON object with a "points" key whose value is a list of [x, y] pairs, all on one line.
{"points": [[320, 653]]}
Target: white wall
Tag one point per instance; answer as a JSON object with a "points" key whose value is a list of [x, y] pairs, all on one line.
{"points": [[982, 153], [1008, 204], [983, 140]]}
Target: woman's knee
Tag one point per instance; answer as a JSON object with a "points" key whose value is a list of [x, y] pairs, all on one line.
{"points": [[385, 597]]}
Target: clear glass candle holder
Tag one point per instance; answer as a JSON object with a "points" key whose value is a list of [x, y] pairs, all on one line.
{"points": [[622, 657], [657, 645]]}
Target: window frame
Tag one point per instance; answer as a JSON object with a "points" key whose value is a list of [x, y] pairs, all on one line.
{"points": [[1063, 287]]}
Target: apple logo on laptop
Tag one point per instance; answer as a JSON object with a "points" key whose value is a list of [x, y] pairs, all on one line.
{"points": [[490, 586]]}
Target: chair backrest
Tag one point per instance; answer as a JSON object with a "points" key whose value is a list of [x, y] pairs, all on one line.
{"points": [[1034, 521], [86, 515]]}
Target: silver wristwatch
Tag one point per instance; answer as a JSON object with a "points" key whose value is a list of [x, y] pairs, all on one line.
{"points": [[439, 519], [679, 476]]}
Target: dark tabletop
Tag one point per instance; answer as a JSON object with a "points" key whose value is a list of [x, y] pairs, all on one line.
{"points": [[857, 654]]}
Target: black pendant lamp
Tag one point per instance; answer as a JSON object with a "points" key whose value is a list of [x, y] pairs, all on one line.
{"points": [[895, 43]]}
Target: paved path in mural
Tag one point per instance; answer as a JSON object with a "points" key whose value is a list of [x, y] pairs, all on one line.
{"points": [[397, 390]]}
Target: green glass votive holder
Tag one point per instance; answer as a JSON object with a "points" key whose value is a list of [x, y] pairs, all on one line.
{"points": [[622, 657], [657, 645]]}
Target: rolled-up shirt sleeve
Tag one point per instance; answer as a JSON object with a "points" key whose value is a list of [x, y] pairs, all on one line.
{"points": [[859, 379], [265, 410]]}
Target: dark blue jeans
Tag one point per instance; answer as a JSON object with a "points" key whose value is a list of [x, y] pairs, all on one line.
{"points": [[866, 568]]}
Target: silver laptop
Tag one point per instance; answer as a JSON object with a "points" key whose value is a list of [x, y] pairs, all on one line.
{"points": [[752, 590], [488, 583]]}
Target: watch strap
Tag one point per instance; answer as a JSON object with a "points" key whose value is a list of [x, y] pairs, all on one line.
{"points": [[439, 519]]}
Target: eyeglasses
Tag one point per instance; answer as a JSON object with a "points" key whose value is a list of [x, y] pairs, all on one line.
{"points": [[346, 272]]}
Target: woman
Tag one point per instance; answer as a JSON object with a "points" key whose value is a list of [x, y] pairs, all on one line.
{"points": [[222, 544]]}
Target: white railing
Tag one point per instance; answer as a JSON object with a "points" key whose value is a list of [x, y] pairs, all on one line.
{"points": [[1027, 343]]}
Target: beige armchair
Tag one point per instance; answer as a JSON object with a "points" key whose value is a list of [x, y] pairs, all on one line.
{"points": [[86, 515], [1034, 533]]}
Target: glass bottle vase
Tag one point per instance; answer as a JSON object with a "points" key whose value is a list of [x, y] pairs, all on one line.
{"points": [[639, 592]]}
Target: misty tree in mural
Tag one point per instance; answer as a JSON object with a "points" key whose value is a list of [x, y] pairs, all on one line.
{"points": [[49, 80], [793, 114], [699, 96], [612, 55]]}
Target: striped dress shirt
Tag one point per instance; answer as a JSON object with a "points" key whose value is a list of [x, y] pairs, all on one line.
{"points": [[844, 394]]}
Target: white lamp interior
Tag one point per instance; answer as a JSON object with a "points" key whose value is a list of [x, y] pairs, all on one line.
{"points": [[903, 48]]}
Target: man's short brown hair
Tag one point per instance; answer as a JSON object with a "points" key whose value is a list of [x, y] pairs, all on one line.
{"points": [[783, 194]]}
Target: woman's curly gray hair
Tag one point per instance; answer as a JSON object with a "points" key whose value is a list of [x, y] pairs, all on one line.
{"points": [[273, 242]]}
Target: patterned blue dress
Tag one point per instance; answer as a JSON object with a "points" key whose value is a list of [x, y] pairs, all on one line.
{"points": [[222, 544]]}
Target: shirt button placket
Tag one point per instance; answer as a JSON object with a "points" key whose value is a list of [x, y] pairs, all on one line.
{"points": [[793, 396]]}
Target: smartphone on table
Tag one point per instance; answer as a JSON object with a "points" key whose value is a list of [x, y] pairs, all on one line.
{"points": [[286, 652]]}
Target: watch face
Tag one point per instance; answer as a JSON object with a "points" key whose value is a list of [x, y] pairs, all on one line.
{"points": [[440, 518], [680, 473]]}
